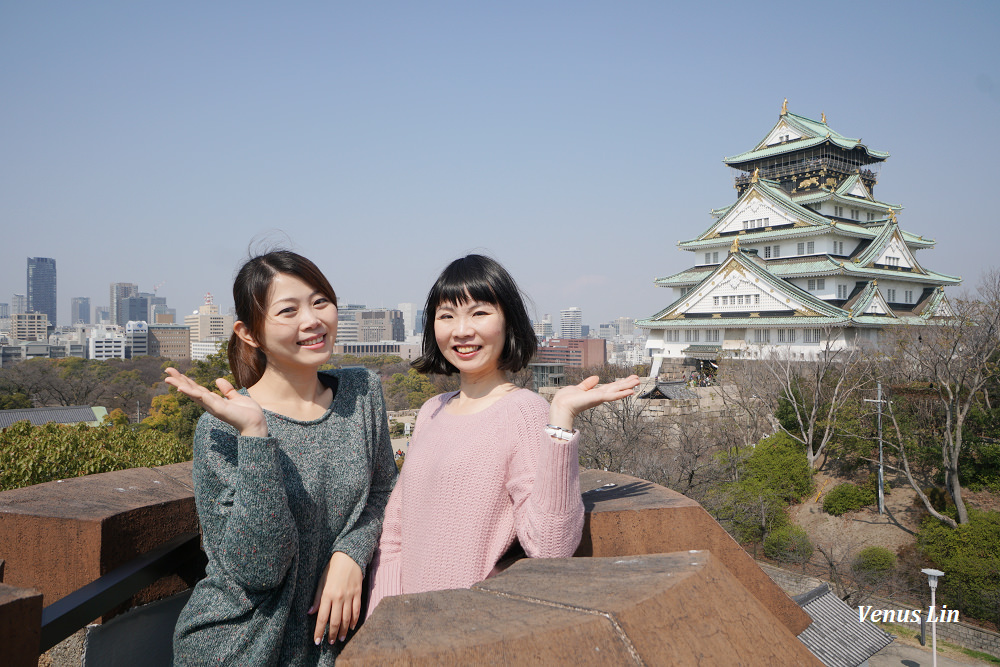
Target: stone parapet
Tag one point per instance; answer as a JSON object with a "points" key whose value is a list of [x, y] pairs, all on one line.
{"points": [[638, 517], [661, 609], [20, 626], [60, 536]]}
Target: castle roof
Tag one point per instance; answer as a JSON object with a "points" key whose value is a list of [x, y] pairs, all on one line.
{"points": [[803, 133]]}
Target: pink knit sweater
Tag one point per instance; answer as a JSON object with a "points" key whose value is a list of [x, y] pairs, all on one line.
{"points": [[470, 485]]}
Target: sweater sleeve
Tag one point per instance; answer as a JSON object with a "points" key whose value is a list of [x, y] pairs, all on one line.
{"points": [[246, 522], [387, 573], [360, 540], [544, 484]]}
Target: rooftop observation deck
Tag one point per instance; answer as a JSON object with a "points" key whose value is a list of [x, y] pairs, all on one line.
{"points": [[655, 581]]}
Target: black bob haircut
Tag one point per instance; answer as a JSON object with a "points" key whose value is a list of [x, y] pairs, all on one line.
{"points": [[481, 279]]}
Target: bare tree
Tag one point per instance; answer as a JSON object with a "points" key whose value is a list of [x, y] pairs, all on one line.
{"points": [[813, 390], [619, 436], [958, 356]]}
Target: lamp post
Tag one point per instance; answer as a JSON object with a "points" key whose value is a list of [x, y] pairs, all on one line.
{"points": [[932, 577]]}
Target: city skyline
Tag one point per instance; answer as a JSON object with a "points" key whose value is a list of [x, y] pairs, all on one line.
{"points": [[575, 144]]}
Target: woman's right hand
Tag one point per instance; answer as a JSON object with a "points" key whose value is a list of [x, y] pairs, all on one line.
{"points": [[241, 412]]}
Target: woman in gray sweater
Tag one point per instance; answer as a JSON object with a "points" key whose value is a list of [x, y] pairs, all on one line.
{"points": [[292, 471]]}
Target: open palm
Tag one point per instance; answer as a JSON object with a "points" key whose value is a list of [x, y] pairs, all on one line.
{"points": [[236, 409]]}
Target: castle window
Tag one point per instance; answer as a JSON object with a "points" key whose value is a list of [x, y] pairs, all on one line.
{"points": [[810, 336], [762, 335], [691, 335], [708, 258], [715, 301], [672, 336], [767, 251], [891, 261], [712, 336], [810, 247], [838, 211], [890, 295], [715, 258], [821, 283], [818, 206], [800, 249], [855, 214], [908, 296], [812, 285], [777, 251], [841, 291]]}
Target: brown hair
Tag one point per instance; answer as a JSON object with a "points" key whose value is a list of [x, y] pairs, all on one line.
{"points": [[250, 294]]}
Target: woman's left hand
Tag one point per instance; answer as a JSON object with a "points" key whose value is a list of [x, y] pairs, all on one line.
{"points": [[338, 598], [574, 399]]}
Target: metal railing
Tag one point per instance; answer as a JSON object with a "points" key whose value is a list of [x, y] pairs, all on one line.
{"points": [[65, 616]]}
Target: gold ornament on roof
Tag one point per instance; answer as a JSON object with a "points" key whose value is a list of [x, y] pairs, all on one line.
{"points": [[756, 175], [784, 107], [892, 215], [822, 117], [736, 246]]}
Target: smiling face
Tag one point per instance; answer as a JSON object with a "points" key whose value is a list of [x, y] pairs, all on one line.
{"points": [[470, 335], [300, 324]]}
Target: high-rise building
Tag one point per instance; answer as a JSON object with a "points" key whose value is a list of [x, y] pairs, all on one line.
{"points": [[625, 326], [102, 314], [381, 324], [79, 310], [805, 259], [18, 304], [570, 323], [544, 328], [4, 310], [42, 287], [409, 311], [134, 308], [118, 292]]}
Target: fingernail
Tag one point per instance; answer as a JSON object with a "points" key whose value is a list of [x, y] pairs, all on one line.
{"points": [[343, 638], [318, 640], [332, 640], [312, 610]]}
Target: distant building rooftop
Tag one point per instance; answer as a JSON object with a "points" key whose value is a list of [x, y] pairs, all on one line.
{"points": [[72, 414]]}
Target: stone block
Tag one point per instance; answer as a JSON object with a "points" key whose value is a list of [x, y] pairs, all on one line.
{"points": [[20, 626], [659, 609], [637, 517], [62, 535]]}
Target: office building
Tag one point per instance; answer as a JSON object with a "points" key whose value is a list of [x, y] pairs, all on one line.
{"points": [[119, 291], [42, 287], [172, 341], [18, 304], [79, 310], [571, 323], [573, 352], [382, 324], [29, 327]]}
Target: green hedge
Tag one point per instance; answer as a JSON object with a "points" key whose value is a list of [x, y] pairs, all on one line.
{"points": [[873, 565], [35, 454]]}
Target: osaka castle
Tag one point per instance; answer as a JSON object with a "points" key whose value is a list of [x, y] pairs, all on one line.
{"points": [[806, 256]]}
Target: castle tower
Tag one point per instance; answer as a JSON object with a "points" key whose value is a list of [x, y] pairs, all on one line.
{"points": [[805, 256]]}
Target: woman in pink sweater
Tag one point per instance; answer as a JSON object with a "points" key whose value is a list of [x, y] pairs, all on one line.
{"points": [[490, 463]]}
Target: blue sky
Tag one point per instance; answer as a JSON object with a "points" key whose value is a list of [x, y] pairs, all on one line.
{"points": [[576, 142]]}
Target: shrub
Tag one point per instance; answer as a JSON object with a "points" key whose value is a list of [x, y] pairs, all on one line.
{"points": [[779, 462], [847, 497], [788, 544], [873, 565], [969, 555]]}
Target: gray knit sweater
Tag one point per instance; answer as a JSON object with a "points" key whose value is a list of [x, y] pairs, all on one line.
{"points": [[273, 510]]}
